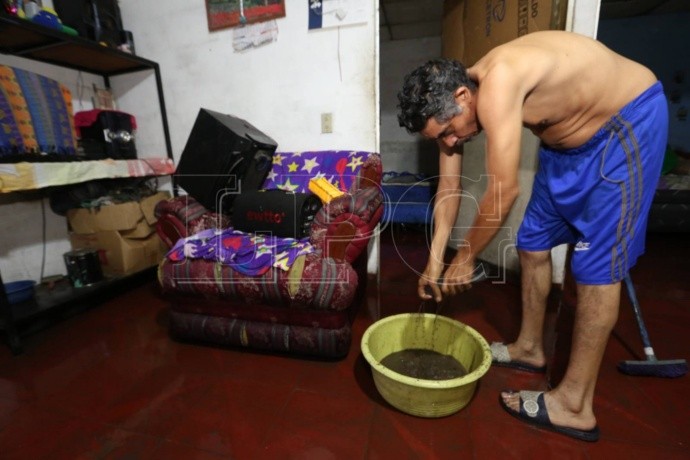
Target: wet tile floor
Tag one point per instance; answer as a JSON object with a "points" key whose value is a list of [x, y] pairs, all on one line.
{"points": [[110, 383]]}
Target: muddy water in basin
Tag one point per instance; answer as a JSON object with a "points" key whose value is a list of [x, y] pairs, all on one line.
{"points": [[424, 364]]}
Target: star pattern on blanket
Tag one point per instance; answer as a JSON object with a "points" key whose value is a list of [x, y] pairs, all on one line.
{"points": [[292, 171], [288, 186], [309, 165], [261, 248], [355, 163], [278, 159], [249, 254]]}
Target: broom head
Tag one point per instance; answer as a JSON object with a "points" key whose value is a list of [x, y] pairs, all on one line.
{"points": [[655, 368]]}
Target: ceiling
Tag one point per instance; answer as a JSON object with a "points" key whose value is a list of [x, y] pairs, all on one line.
{"points": [[411, 19]]}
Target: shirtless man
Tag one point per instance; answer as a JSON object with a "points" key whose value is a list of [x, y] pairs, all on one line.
{"points": [[603, 122]]}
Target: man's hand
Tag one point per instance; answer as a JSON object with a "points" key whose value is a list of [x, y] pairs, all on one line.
{"points": [[458, 277], [427, 286]]}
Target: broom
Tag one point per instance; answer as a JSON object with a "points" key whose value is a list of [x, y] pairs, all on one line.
{"points": [[651, 367]]}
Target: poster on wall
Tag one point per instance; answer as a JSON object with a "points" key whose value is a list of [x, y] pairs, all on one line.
{"points": [[336, 13], [222, 14]]}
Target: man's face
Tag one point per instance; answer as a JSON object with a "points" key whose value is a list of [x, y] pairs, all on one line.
{"points": [[461, 128]]}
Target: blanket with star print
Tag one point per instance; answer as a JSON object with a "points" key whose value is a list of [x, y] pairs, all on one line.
{"points": [[249, 254], [291, 171]]}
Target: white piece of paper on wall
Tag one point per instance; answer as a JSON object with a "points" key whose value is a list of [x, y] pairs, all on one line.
{"points": [[335, 13], [254, 35]]}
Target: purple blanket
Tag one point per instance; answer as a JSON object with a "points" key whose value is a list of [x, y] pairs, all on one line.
{"points": [[249, 254], [292, 171]]}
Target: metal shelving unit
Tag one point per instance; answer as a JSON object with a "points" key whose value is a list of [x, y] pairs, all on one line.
{"points": [[25, 39]]}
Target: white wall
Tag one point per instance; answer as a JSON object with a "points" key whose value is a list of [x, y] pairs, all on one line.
{"points": [[282, 88]]}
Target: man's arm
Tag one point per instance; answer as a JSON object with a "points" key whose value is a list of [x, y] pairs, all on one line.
{"points": [[499, 108], [446, 206]]}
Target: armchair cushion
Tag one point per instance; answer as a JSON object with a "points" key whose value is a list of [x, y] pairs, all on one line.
{"points": [[320, 283], [266, 336]]}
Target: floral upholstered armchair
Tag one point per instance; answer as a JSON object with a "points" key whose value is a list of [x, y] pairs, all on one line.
{"points": [[303, 304]]}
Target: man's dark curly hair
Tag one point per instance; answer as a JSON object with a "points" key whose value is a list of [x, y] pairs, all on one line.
{"points": [[428, 91]]}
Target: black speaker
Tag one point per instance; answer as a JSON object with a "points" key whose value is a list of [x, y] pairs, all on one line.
{"points": [[224, 156], [276, 212], [107, 134], [98, 20]]}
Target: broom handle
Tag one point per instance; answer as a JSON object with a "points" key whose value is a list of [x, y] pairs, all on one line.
{"points": [[648, 350]]}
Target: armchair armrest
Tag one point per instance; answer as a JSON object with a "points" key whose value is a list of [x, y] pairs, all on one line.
{"points": [[338, 240], [370, 175], [183, 216], [343, 227]]}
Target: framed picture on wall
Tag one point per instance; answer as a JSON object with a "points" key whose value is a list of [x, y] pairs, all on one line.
{"points": [[222, 14]]}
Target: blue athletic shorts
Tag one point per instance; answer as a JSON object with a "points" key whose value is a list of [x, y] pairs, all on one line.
{"points": [[597, 196]]}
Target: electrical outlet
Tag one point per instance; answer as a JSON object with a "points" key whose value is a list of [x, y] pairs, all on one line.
{"points": [[326, 123]]}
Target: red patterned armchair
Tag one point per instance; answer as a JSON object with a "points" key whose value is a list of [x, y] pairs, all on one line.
{"points": [[306, 309]]}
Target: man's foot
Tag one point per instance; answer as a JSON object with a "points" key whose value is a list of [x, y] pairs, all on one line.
{"points": [[500, 356], [531, 407]]}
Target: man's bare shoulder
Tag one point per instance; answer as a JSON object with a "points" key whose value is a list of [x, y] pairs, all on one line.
{"points": [[568, 84], [518, 65], [537, 51], [549, 40], [553, 60]]}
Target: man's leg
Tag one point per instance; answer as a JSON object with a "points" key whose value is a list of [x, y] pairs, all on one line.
{"points": [[536, 285], [570, 403]]}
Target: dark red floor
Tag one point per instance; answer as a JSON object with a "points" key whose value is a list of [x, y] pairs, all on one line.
{"points": [[109, 383]]}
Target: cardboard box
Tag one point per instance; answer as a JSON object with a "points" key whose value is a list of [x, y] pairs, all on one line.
{"points": [[83, 240], [471, 28], [142, 230], [124, 234], [119, 255], [124, 216]]}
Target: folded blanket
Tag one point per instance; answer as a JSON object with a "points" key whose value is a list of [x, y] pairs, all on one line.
{"points": [[249, 254], [35, 114]]}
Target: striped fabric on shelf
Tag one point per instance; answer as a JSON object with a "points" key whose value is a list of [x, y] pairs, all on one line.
{"points": [[36, 114]]}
